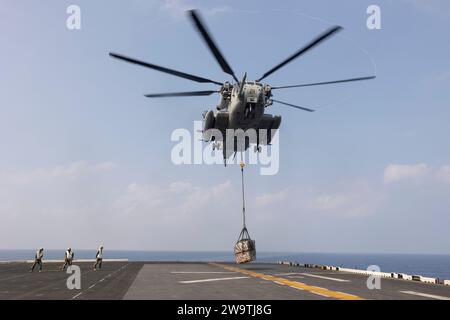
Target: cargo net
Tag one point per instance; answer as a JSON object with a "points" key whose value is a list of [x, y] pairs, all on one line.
{"points": [[245, 249]]}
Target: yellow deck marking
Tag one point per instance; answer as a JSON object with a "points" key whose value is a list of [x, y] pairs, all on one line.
{"points": [[294, 284]]}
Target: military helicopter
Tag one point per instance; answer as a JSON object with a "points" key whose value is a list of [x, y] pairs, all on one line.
{"points": [[242, 103]]}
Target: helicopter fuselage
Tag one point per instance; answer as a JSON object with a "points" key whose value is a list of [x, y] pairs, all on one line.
{"points": [[241, 106], [246, 106]]}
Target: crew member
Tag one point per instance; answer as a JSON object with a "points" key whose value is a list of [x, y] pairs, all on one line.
{"points": [[98, 258], [38, 259], [68, 258]]}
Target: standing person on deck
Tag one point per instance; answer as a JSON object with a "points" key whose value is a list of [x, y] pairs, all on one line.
{"points": [[38, 259], [98, 258], [68, 258]]}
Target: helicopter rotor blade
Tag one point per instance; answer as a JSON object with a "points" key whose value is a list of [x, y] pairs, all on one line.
{"points": [[181, 94], [323, 83], [309, 46], [293, 105], [163, 69], [201, 28]]}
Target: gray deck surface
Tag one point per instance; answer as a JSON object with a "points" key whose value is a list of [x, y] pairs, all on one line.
{"points": [[150, 280]]}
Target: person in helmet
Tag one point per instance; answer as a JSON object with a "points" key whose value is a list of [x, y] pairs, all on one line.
{"points": [[38, 259], [98, 258], [68, 258]]}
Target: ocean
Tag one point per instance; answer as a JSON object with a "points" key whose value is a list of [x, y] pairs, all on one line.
{"points": [[430, 265]]}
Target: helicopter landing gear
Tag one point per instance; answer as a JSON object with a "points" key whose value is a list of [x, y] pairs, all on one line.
{"points": [[257, 148], [216, 145], [249, 111]]}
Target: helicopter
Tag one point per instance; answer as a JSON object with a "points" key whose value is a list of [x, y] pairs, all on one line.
{"points": [[242, 103]]}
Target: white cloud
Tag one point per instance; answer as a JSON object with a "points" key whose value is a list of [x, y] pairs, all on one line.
{"points": [[397, 172], [350, 199], [443, 76], [72, 170], [345, 204], [443, 174], [271, 198], [105, 166], [81, 204], [354, 198], [437, 7], [215, 11], [99, 206], [139, 197], [416, 172], [178, 8], [180, 186], [436, 79], [332, 201], [178, 198]]}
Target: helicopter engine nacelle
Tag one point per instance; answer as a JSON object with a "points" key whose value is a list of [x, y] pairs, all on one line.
{"points": [[268, 122], [275, 126], [276, 122], [208, 123]]}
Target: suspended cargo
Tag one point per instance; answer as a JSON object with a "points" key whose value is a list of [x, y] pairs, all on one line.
{"points": [[245, 248]]}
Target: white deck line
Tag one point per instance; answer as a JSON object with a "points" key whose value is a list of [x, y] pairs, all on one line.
{"points": [[200, 272], [322, 277], [214, 279], [287, 274], [426, 295], [101, 280]]}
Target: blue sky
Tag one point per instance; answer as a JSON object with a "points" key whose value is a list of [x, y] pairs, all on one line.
{"points": [[85, 158]]}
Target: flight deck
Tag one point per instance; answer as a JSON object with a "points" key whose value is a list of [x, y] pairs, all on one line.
{"points": [[210, 281]]}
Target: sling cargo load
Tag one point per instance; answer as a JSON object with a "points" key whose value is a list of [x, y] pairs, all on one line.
{"points": [[245, 249]]}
